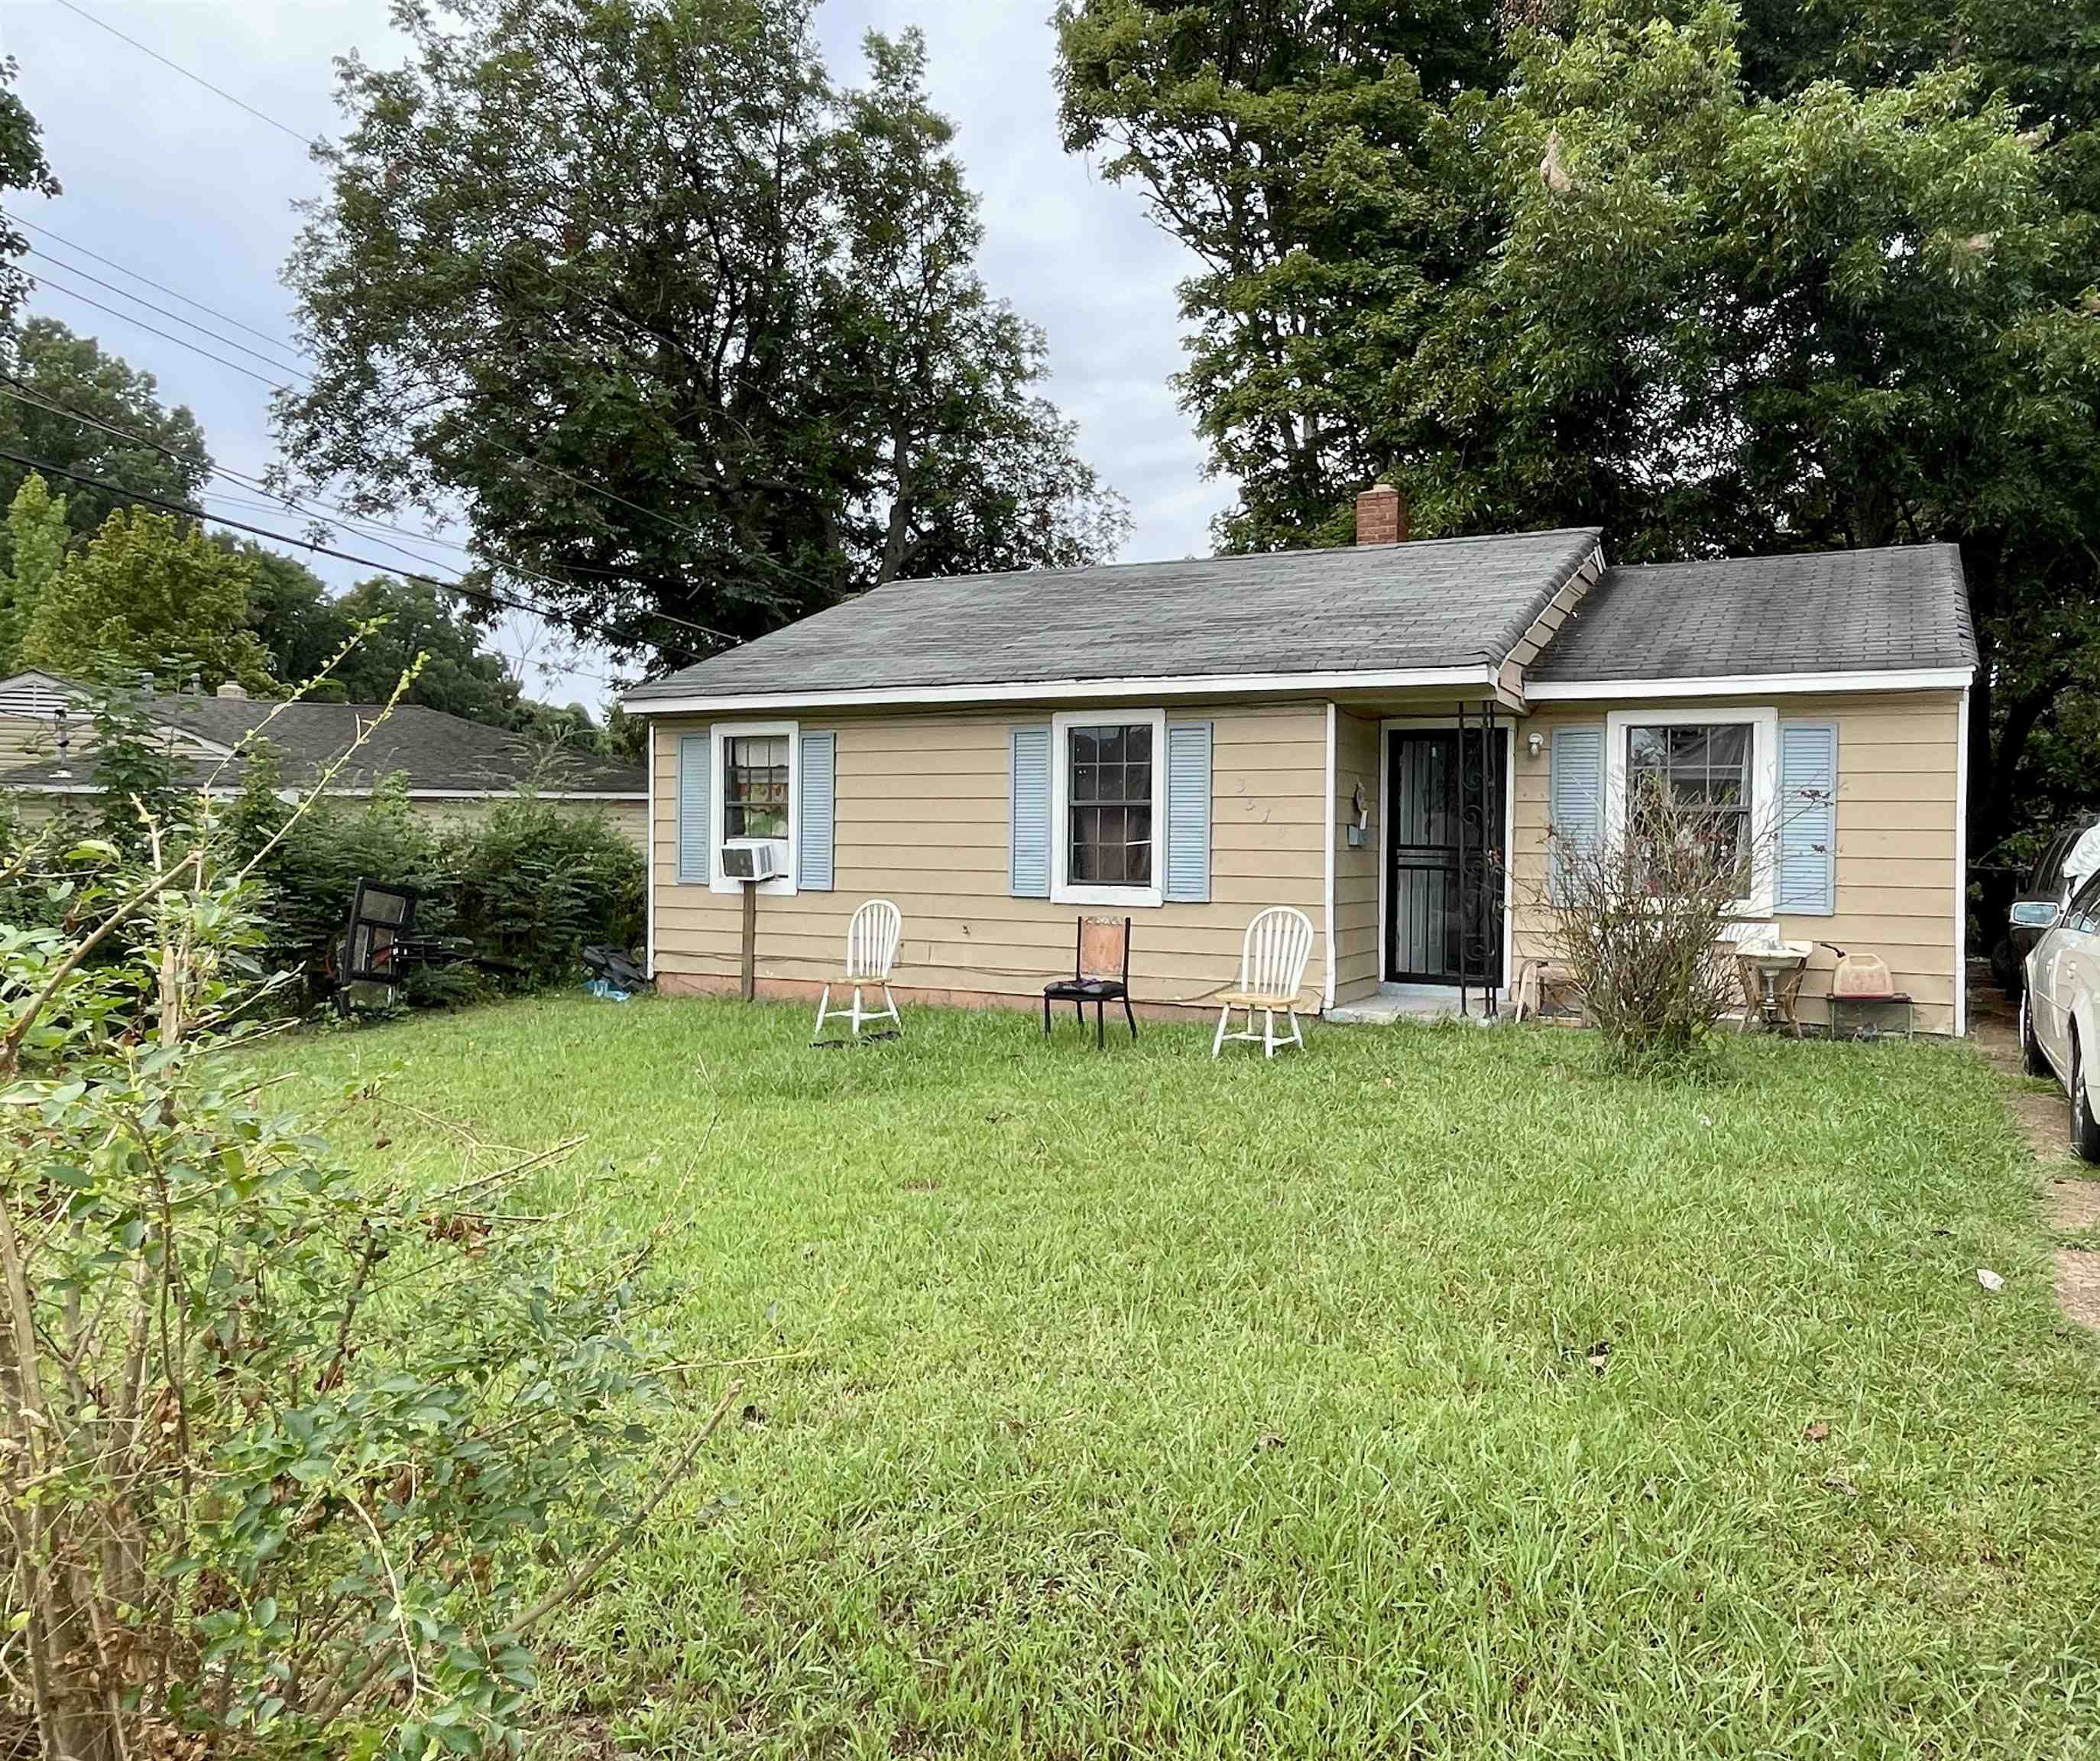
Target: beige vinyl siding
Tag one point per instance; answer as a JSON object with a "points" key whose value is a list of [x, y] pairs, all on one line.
{"points": [[1357, 741], [29, 740], [921, 818], [33, 739], [1897, 767]]}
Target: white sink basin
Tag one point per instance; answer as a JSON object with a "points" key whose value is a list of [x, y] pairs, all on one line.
{"points": [[1775, 956]]}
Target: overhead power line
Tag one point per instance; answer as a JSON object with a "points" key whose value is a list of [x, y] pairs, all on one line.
{"points": [[176, 317], [167, 336], [25, 393], [160, 287], [755, 557], [277, 385], [176, 67], [464, 590]]}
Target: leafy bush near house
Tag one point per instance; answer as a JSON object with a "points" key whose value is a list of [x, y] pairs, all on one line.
{"points": [[537, 885], [526, 887]]}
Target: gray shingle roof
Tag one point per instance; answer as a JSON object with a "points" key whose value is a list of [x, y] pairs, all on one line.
{"points": [[1836, 612], [1445, 603], [436, 751]]}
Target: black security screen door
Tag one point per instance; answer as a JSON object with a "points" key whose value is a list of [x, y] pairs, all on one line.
{"points": [[1444, 891]]}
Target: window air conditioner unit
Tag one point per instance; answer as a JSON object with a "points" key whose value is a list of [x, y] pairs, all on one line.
{"points": [[750, 862]]}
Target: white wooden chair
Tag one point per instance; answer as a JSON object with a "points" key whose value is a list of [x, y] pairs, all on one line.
{"points": [[1273, 959], [871, 940]]}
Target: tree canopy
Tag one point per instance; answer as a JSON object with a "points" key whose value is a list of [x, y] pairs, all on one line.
{"points": [[155, 451], [460, 676], [151, 593], [36, 534], [675, 322], [1718, 282]]}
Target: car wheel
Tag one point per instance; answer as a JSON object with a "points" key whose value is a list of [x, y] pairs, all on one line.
{"points": [[2006, 970], [2084, 1130], [2032, 1059]]}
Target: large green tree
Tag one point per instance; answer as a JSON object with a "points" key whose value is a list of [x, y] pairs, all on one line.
{"points": [[149, 593], [37, 534], [1815, 279], [66, 403], [459, 675], [673, 321]]}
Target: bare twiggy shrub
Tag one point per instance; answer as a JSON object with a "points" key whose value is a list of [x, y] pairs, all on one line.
{"points": [[1641, 917], [292, 1462]]}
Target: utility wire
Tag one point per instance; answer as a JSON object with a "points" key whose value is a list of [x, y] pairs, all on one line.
{"points": [[310, 142], [176, 67], [344, 515], [509, 451], [160, 287], [612, 496], [461, 588], [168, 335], [176, 317], [25, 393]]}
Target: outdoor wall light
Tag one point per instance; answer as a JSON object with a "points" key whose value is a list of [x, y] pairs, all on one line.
{"points": [[1532, 743], [1354, 836]]}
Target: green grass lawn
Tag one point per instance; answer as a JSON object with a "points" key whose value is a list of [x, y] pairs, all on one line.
{"points": [[1131, 1403]]}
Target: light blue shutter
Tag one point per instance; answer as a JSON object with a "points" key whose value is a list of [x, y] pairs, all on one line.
{"points": [[1029, 830], [1187, 880], [1807, 819], [695, 758], [1578, 792], [815, 783]]}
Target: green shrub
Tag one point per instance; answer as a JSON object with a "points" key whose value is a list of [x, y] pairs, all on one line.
{"points": [[536, 883], [525, 888], [310, 877]]}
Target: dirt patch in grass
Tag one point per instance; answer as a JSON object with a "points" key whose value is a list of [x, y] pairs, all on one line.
{"points": [[2073, 1202], [2078, 1286], [2040, 1115]]}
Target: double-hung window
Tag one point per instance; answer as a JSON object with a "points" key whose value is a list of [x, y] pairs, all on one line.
{"points": [[1108, 783], [752, 796], [755, 786], [1704, 770], [1719, 766]]}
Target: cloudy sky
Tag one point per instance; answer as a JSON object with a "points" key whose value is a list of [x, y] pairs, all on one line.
{"points": [[176, 183]]}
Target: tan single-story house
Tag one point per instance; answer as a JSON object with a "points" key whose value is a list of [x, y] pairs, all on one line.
{"points": [[453, 769], [1381, 735]]}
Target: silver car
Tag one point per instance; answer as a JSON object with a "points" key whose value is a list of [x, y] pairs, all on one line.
{"points": [[2060, 1007]]}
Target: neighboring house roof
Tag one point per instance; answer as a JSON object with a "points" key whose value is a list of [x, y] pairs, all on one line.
{"points": [[1443, 604], [1838, 611], [440, 754]]}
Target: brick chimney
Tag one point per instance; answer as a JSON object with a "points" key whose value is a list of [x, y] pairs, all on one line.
{"points": [[1381, 515]]}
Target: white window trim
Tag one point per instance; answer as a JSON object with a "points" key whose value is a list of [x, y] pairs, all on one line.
{"points": [[1063, 891], [1762, 720], [718, 805]]}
